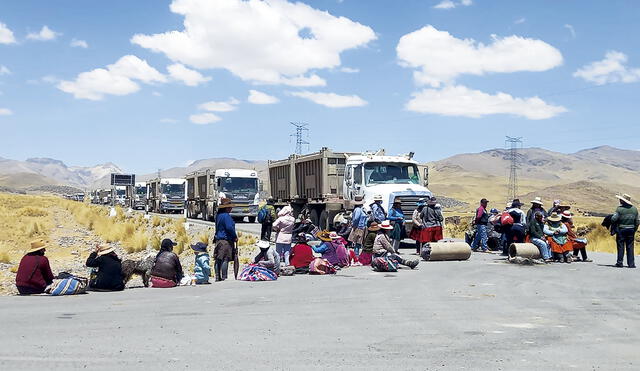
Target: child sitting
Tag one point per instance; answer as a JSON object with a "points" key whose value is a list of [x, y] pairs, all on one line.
{"points": [[202, 269]]}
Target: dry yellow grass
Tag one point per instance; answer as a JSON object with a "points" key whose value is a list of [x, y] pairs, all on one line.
{"points": [[156, 241], [4, 257]]}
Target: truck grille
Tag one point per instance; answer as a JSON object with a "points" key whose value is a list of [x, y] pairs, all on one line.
{"points": [[409, 203]]}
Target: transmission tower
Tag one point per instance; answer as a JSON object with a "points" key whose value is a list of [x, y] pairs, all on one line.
{"points": [[301, 129], [513, 144]]}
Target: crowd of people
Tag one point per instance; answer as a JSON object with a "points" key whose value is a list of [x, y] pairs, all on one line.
{"points": [[362, 238], [552, 231]]}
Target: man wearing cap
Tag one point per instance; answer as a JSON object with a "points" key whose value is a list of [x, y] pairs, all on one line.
{"points": [[109, 269], [480, 221], [34, 273], [358, 224], [626, 222], [378, 213], [167, 270], [225, 239]]}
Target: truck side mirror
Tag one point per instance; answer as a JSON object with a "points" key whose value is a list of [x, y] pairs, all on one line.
{"points": [[426, 176]]}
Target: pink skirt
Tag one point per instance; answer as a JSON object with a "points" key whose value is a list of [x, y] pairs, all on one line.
{"points": [[162, 283], [365, 258]]}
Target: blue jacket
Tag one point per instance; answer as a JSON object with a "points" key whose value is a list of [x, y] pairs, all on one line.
{"points": [[396, 215], [378, 213], [225, 227], [202, 269], [359, 218]]}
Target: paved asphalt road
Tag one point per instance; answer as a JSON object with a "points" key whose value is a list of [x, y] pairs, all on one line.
{"points": [[478, 314]]}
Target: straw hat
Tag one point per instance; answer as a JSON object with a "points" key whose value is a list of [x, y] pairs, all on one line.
{"points": [[537, 200], [567, 214], [554, 217], [226, 203], [358, 200], [377, 197], [625, 198], [325, 236], [36, 246], [105, 249], [374, 227], [263, 244], [421, 202], [386, 225]]}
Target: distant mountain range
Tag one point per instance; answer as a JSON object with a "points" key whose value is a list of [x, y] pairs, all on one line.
{"points": [[587, 179]]}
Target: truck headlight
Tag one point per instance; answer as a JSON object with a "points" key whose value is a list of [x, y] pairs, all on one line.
{"points": [[164, 198]]}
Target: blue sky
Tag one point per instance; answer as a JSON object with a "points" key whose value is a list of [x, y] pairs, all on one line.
{"points": [[411, 75]]}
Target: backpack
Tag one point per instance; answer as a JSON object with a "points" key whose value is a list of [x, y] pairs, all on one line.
{"points": [[506, 219], [264, 216], [384, 264]]}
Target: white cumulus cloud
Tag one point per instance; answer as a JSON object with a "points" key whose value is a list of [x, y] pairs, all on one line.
{"points": [[6, 35], [204, 118], [188, 76], [75, 43], [268, 42], [4, 70], [115, 79], [258, 97], [609, 70], [5, 112], [449, 4], [331, 100], [45, 34], [462, 101], [226, 106], [440, 57], [349, 70]]}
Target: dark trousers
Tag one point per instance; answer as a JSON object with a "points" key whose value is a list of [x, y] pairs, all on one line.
{"points": [[221, 268], [265, 231], [508, 238], [561, 257], [624, 241], [582, 251]]}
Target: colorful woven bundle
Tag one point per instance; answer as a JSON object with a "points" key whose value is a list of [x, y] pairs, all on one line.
{"points": [[321, 266], [384, 264], [255, 272]]}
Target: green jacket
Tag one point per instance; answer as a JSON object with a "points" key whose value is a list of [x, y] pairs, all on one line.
{"points": [[626, 217], [536, 229]]}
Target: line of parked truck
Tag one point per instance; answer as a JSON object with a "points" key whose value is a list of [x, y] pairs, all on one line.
{"points": [[323, 185]]}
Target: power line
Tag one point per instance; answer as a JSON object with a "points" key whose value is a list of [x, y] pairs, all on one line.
{"points": [[514, 143], [301, 129]]}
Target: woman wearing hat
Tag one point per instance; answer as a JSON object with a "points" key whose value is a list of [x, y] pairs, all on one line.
{"points": [[109, 269], [556, 233], [225, 239], [418, 233], [367, 247], [382, 246], [301, 253], [359, 226], [167, 270], [378, 214], [268, 257], [626, 222], [396, 217], [34, 273], [332, 249], [283, 226], [579, 245]]}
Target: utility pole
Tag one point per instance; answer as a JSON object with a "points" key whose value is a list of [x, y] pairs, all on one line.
{"points": [[301, 128], [513, 144]]}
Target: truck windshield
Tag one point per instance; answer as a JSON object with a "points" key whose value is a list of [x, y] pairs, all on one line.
{"points": [[173, 189], [391, 173], [120, 192], [142, 191], [239, 184]]}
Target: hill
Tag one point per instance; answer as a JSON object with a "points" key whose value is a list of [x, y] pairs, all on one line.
{"points": [[214, 163]]}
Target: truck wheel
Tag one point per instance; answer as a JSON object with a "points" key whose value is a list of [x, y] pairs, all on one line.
{"points": [[238, 219], [252, 219], [324, 220], [314, 215]]}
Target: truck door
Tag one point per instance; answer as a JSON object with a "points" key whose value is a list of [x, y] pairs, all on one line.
{"points": [[353, 181]]}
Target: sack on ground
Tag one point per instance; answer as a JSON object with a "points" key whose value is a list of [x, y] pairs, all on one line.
{"points": [[425, 252], [321, 266], [384, 264], [289, 270], [67, 286], [253, 272]]}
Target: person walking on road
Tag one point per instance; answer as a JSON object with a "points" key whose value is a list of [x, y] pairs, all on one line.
{"points": [[396, 217], [266, 217], [109, 274], [225, 249], [359, 226], [284, 229], [626, 222], [34, 273], [481, 219], [378, 214]]}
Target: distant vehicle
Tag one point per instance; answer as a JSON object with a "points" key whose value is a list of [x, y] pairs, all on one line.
{"points": [[78, 197], [325, 184], [206, 188], [166, 195], [120, 196], [140, 196]]}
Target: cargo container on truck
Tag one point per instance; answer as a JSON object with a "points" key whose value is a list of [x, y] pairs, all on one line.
{"points": [[166, 195], [325, 184]]}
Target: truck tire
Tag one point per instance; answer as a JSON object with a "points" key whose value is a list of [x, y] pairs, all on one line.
{"points": [[238, 219], [324, 220], [252, 219], [314, 215]]}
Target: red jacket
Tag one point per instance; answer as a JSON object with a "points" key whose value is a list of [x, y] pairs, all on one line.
{"points": [[301, 255], [34, 272]]}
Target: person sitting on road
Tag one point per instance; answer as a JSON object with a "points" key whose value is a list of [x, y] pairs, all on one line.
{"points": [[167, 270], [109, 269], [301, 253], [556, 233], [202, 267], [537, 236], [226, 238], [305, 227], [34, 273], [284, 229], [579, 245], [268, 257], [367, 247], [382, 246], [396, 217], [332, 249]]}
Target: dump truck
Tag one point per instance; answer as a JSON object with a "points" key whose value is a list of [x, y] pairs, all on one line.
{"points": [[140, 196], [324, 184], [205, 189], [166, 195]]}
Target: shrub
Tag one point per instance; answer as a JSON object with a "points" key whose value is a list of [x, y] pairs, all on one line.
{"points": [[34, 212], [156, 241], [4, 257], [137, 242]]}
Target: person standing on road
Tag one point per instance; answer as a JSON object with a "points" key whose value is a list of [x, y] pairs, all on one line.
{"points": [[225, 249], [269, 216], [536, 206], [396, 217], [480, 221], [537, 236], [432, 218], [418, 232], [34, 273], [378, 214], [626, 222], [358, 226], [167, 270], [109, 275], [284, 229]]}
